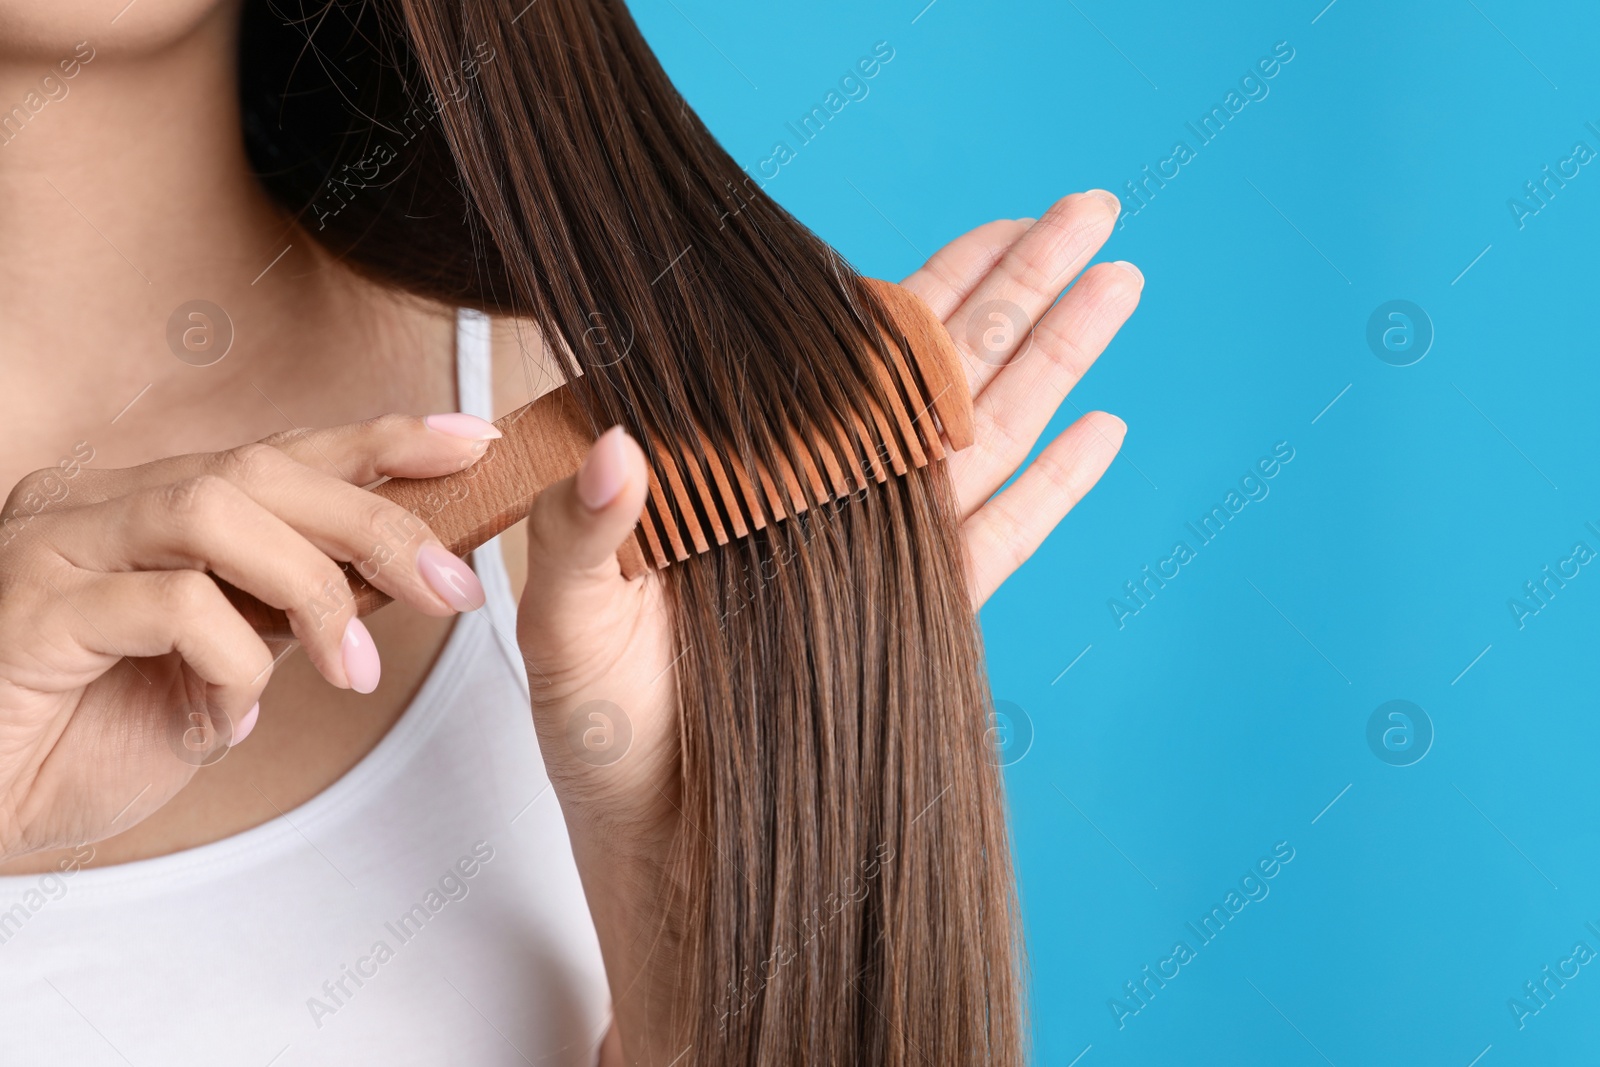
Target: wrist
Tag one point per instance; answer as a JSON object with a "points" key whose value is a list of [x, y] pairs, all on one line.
{"points": [[638, 919]]}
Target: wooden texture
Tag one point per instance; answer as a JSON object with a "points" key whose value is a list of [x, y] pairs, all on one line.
{"points": [[697, 498]]}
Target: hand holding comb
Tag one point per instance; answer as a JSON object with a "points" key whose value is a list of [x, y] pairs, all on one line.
{"points": [[688, 510]]}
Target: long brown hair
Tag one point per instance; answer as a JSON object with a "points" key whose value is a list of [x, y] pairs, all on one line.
{"points": [[844, 888]]}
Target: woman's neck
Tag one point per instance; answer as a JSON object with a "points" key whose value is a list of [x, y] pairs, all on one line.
{"points": [[125, 194]]}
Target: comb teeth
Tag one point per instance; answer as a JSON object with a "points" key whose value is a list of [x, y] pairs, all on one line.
{"points": [[697, 497], [926, 393]]}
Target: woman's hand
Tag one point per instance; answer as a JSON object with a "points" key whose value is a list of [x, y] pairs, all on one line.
{"points": [[996, 288], [124, 668], [599, 648]]}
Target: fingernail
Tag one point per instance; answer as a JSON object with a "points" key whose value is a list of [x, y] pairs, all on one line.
{"points": [[1119, 430], [460, 424], [604, 470], [1028, 222], [246, 724], [450, 577], [361, 664], [1131, 269], [1110, 199]]}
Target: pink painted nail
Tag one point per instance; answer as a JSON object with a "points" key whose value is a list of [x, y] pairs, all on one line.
{"points": [[604, 470], [450, 577], [246, 724], [361, 663], [460, 424]]}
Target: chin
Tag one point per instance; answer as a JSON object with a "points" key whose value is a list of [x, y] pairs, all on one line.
{"points": [[48, 32]]}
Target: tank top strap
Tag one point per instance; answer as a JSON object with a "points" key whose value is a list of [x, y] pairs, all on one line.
{"points": [[475, 396], [474, 391]]}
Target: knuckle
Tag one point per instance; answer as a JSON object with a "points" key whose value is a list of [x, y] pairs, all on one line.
{"points": [[285, 438], [986, 260], [1063, 348], [943, 272], [1015, 554], [1001, 438], [1013, 548], [1009, 441], [33, 484], [326, 595], [186, 593], [546, 533], [24, 560], [197, 499], [1060, 238], [28, 590], [249, 463], [383, 522], [368, 436], [958, 263], [1065, 481], [1116, 289], [34, 493], [1018, 554], [1071, 474], [390, 425], [1034, 271]]}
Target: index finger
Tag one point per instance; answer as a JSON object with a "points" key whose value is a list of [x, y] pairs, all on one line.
{"points": [[951, 273], [389, 446], [997, 316]]}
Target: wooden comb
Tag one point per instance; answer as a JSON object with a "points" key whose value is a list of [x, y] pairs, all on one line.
{"points": [[689, 508]]}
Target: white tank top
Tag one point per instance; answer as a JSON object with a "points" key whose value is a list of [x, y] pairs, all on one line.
{"points": [[424, 909]]}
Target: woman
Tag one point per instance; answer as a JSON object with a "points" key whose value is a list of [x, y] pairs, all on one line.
{"points": [[386, 867]]}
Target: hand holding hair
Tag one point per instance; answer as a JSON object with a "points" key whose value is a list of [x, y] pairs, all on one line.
{"points": [[599, 649]]}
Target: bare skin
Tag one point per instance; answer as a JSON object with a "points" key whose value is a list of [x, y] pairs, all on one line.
{"points": [[129, 197]]}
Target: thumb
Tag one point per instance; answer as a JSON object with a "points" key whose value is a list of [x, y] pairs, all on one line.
{"points": [[577, 525]]}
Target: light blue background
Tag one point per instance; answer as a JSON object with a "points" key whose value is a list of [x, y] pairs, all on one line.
{"points": [[1227, 714]]}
